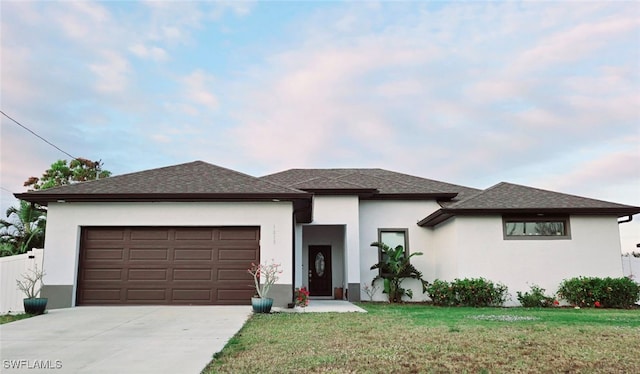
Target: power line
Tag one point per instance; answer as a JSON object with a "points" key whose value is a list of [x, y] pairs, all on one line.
{"points": [[4, 189], [40, 137]]}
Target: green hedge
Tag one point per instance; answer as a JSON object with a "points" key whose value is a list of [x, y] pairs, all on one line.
{"points": [[474, 292], [607, 292], [535, 298]]}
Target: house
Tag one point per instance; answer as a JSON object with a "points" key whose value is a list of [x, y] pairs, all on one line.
{"points": [[186, 234]]}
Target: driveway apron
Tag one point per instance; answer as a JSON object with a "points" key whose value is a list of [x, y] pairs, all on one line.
{"points": [[118, 339]]}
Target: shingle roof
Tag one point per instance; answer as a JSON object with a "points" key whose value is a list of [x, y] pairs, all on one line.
{"points": [[384, 182], [512, 198], [194, 178]]}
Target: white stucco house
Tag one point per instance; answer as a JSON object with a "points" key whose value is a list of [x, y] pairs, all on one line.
{"points": [[186, 234]]}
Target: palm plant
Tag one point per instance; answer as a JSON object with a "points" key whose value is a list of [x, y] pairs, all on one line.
{"points": [[394, 267], [22, 229]]}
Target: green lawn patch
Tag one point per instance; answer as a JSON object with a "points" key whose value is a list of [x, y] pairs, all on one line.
{"points": [[6, 318], [414, 338]]}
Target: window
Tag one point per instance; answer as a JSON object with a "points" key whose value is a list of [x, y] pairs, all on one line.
{"points": [[393, 238], [536, 227]]}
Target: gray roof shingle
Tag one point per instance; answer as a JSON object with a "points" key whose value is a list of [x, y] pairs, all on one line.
{"points": [[513, 198], [196, 177], [384, 181]]}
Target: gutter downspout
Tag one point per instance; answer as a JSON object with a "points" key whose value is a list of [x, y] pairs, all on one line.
{"points": [[628, 219]]}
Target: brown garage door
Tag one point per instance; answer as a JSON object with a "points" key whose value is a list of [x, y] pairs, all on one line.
{"points": [[166, 265]]}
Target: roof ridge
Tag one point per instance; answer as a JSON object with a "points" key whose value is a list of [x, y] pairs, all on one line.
{"points": [[480, 193], [395, 181]]}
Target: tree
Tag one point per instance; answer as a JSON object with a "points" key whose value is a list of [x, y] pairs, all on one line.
{"points": [[24, 226], [61, 174], [394, 268], [22, 229]]}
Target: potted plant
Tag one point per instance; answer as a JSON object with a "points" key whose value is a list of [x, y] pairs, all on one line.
{"points": [[302, 297], [31, 286], [268, 274]]}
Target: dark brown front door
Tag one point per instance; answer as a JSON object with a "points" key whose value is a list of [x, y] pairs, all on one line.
{"points": [[166, 265], [320, 270]]}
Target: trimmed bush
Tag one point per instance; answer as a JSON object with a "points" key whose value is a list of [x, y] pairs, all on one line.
{"points": [[605, 292], [474, 292], [535, 299], [442, 293]]}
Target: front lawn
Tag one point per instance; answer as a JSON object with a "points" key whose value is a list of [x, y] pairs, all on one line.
{"points": [[418, 338], [6, 318]]}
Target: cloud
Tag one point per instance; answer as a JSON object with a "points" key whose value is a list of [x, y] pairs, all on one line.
{"points": [[153, 53], [112, 73], [198, 89]]}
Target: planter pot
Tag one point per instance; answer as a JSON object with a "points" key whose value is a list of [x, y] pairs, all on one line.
{"points": [[35, 306], [261, 305]]}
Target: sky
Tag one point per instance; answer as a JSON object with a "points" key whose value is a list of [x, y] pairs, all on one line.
{"points": [[545, 94]]}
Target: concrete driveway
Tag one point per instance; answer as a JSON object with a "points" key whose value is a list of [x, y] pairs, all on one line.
{"points": [[131, 339]]}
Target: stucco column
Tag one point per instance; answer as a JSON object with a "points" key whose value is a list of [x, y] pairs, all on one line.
{"points": [[352, 260]]}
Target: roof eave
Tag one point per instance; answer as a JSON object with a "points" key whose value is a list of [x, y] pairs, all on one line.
{"points": [[414, 196], [44, 198], [341, 191], [444, 214]]}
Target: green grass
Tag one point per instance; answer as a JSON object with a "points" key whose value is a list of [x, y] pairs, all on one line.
{"points": [[424, 339], [6, 318]]}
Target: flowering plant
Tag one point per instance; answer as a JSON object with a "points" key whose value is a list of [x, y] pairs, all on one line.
{"points": [[302, 297], [269, 273]]}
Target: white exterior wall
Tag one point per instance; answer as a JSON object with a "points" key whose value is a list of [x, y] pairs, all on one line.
{"points": [[381, 214], [593, 250], [342, 210], [64, 222], [445, 251]]}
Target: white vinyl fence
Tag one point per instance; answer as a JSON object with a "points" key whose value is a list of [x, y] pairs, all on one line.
{"points": [[11, 269], [631, 267]]}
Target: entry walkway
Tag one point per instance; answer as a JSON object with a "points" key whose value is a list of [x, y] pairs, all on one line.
{"points": [[325, 306]]}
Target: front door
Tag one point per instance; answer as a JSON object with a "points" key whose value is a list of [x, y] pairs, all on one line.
{"points": [[320, 270]]}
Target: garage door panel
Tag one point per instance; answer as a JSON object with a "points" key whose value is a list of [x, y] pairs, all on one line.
{"points": [[235, 275], [234, 295], [105, 254], [150, 234], [105, 234], [233, 254], [144, 254], [147, 274], [191, 266], [191, 254], [102, 274], [111, 295], [193, 295], [192, 274], [147, 295], [194, 234], [239, 234]]}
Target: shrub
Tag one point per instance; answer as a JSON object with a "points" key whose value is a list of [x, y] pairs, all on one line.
{"points": [[474, 292], [606, 292], [441, 293], [535, 299]]}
